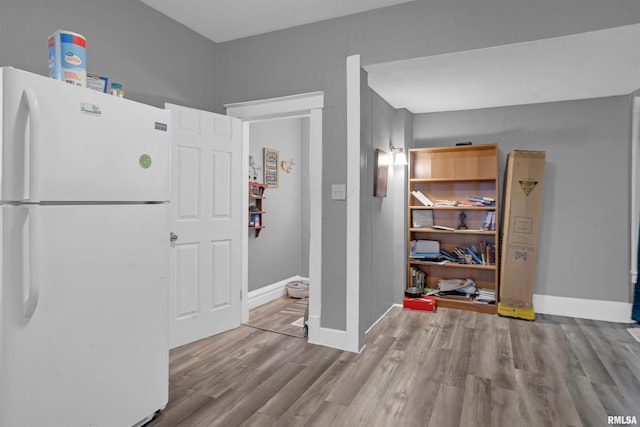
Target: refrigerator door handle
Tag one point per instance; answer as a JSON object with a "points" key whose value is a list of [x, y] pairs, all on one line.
{"points": [[32, 149], [31, 282]]}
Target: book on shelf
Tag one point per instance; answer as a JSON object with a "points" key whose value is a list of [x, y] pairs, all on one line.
{"points": [[489, 221], [475, 254], [442, 227], [418, 278], [448, 255], [486, 201], [470, 203], [422, 198], [481, 254]]}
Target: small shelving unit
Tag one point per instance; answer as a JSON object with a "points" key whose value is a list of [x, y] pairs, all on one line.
{"points": [[454, 173], [256, 213]]}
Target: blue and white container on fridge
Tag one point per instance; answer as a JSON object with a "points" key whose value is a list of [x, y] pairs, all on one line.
{"points": [[68, 57]]}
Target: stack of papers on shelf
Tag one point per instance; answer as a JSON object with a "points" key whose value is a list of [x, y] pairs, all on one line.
{"points": [[467, 286], [486, 296], [445, 203], [424, 255]]}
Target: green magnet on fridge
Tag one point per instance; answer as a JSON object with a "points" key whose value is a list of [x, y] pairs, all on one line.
{"points": [[145, 161]]}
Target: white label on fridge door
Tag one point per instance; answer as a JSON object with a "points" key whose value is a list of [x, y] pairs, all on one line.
{"points": [[90, 108]]}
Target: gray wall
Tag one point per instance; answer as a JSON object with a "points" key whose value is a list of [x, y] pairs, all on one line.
{"points": [[584, 239], [312, 57], [382, 241], [277, 252], [156, 59], [163, 61]]}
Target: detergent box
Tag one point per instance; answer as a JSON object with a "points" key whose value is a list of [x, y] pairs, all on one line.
{"points": [[68, 57]]}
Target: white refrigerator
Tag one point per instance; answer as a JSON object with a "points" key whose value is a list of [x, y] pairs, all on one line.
{"points": [[85, 254]]}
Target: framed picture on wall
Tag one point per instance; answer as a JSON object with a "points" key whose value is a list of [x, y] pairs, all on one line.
{"points": [[271, 163], [381, 172]]}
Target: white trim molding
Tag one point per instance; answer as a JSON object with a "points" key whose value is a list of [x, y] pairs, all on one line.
{"points": [[273, 107], [353, 205], [635, 188], [333, 338], [270, 292], [308, 105], [608, 311]]}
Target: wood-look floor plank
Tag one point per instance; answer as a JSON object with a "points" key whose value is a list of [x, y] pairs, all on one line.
{"points": [[588, 406], [547, 400], [587, 356], [312, 398], [315, 363], [448, 407], [460, 357], [477, 404], [614, 401], [521, 345], [358, 372], [505, 410], [448, 368], [242, 409]]}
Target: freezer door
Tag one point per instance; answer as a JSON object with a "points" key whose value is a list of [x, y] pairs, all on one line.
{"points": [[91, 348], [67, 143]]}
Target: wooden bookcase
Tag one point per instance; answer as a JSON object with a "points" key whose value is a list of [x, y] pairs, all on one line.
{"points": [[455, 173], [256, 196]]}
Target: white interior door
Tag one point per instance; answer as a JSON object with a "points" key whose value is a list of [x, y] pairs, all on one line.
{"points": [[206, 222]]}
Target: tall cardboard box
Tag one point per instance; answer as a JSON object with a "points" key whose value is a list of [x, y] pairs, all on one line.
{"points": [[522, 209]]}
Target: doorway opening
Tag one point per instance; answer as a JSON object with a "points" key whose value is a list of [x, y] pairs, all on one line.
{"points": [[278, 238], [264, 123]]}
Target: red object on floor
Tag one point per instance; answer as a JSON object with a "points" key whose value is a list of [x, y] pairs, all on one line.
{"points": [[422, 303]]}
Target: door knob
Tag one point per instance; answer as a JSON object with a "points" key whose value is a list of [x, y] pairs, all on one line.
{"points": [[173, 237]]}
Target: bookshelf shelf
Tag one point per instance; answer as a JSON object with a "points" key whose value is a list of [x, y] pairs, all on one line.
{"points": [[256, 213], [464, 304], [431, 230], [455, 174], [472, 179], [455, 208], [454, 265]]}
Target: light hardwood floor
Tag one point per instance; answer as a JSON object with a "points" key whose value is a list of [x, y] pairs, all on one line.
{"points": [[449, 368]]}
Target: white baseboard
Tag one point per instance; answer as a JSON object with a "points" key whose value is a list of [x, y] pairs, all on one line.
{"points": [[382, 317], [327, 337], [270, 292], [609, 311]]}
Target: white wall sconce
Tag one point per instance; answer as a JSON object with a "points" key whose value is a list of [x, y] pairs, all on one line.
{"points": [[399, 158]]}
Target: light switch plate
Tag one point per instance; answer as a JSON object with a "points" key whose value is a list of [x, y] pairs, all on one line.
{"points": [[339, 192]]}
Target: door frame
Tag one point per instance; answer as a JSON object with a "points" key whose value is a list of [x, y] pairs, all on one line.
{"points": [[306, 105], [635, 188]]}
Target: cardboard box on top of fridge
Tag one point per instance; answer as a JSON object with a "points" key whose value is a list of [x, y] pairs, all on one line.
{"points": [[522, 210]]}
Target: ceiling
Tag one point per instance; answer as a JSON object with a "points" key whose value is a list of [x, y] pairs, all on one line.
{"points": [[588, 65], [224, 20]]}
